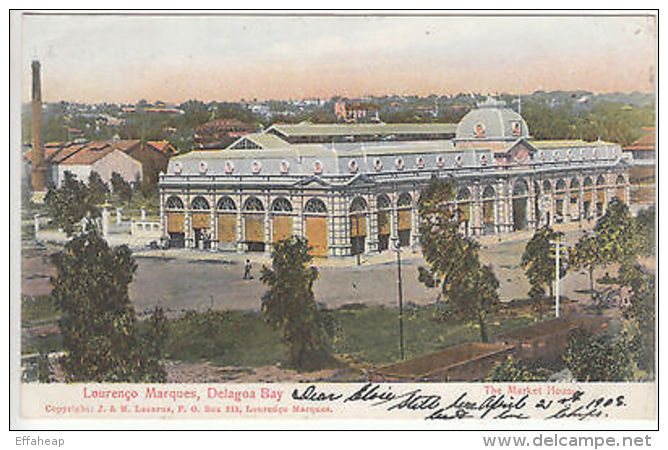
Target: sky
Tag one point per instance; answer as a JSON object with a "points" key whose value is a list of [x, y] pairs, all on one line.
{"points": [[125, 58]]}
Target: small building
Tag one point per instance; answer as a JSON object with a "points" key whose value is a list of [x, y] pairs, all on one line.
{"points": [[153, 155], [102, 158], [82, 158], [355, 111], [220, 133]]}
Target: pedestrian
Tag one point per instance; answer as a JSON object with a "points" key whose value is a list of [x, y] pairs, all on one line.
{"points": [[247, 270]]}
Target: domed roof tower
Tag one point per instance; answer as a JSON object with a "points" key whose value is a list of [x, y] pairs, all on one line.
{"points": [[492, 120]]}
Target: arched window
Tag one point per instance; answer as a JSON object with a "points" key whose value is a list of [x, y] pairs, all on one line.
{"points": [[561, 185], [383, 202], [315, 206], [404, 199], [463, 194], [358, 204], [253, 204], [520, 187], [620, 180], [588, 182], [488, 192], [547, 186], [226, 204], [575, 183], [200, 202], [281, 204], [600, 181], [174, 202]]}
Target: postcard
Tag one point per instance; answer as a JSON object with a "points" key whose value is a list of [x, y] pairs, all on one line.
{"points": [[316, 220]]}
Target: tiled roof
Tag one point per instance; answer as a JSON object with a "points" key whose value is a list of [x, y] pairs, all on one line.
{"points": [[89, 155], [645, 142], [125, 144], [162, 146]]}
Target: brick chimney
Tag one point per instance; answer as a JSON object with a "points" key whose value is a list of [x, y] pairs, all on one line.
{"points": [[38, 166]]}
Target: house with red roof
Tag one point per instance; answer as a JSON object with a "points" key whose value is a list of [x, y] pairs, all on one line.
{"points": [[101, 157], [133, 160]]}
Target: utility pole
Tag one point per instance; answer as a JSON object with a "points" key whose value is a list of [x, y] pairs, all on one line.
{"points": [[397, 249], [556, 280], [557, 263]]}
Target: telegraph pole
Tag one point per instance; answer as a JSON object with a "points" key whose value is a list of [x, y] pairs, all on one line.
{"points": [[397, 249], [557, 263], [556, 279]]}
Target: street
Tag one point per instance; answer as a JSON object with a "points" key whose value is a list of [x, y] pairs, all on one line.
{"points": [[182, 280]]}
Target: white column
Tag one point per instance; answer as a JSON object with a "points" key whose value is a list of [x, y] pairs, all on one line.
{"points": [[105, 223], [36, 225]]}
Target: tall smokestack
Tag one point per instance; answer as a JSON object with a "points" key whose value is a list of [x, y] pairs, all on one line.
{"points": [[38, 166]]}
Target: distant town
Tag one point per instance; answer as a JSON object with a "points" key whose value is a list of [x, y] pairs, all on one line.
{"points": [[202, 125]]}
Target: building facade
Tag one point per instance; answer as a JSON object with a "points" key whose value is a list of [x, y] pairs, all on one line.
{"points": [[359, 195]]}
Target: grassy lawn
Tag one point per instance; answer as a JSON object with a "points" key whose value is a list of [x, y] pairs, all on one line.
{"points": [[362, 335], [372, 334], [38, 310]]}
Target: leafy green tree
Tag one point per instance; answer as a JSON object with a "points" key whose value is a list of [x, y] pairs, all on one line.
{"points": [[475, 295], [98, 188], [641, 311], [616, 234], [592, 358], [536, 297], [646, 230], [537, 259], [453, 260], [289, 305], [586, 254], [100, 333], [511, 369], [70, 204], [121, 188]]}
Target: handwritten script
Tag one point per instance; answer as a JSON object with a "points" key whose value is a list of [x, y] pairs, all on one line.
{"points": [[495, 404]]}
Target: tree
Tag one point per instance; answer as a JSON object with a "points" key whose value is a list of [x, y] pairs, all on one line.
{"points": [[646, 230], [98, 188], [70, 204], [616, 234], [475, 295], [537, 259], [591, 358], [586, 254], [289, 305], [100, 334], [641, 312], [536, 296], [453, 259], [121, 188], [511, 369]]}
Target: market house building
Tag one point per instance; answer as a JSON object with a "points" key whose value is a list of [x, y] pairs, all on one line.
{"points": [[352, 189]]}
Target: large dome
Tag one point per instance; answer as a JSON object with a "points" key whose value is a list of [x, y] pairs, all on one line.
{"points": [[492, 120]]}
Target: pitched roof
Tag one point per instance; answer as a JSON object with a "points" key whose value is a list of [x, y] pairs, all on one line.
{"points": [[88, 155], [161, 146], [645, 142], [125, 144], [361, 129], [261, 140]]}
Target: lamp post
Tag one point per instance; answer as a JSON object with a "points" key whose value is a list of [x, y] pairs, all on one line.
{"points": [[397, 249]]}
